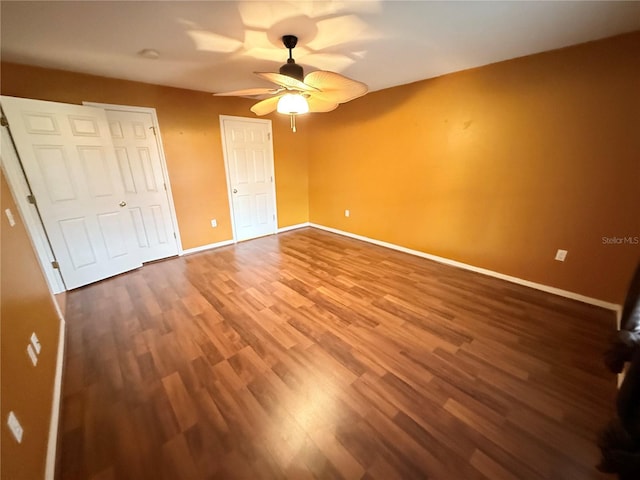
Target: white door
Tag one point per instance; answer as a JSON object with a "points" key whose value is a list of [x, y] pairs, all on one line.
{"points": [[140, 166], [248, 153], [20, 189], [69, 161]]}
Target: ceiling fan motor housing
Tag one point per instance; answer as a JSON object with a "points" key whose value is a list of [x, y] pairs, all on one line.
{"points": [[292, 69]]}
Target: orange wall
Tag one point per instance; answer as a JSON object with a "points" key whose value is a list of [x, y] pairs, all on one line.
{"points": [[497, 167], [292, 185], [190, 126], [26, 307]]}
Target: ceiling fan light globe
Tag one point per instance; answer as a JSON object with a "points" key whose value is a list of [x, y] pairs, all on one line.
{"points": [[293, 104]]}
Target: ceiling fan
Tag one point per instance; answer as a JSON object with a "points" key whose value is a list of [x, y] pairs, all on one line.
{"points": [[296, 94]]}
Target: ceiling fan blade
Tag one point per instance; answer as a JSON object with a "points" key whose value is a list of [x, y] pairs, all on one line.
{"points": [[250, 92], [264, 107], [334, 87], [285, 81], [319, 105]]}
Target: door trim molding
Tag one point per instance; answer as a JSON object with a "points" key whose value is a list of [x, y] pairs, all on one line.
{"points": [[226, 168], [163, 160]]}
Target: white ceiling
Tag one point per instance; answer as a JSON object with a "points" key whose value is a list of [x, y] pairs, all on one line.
{"points": [[215, 46]]}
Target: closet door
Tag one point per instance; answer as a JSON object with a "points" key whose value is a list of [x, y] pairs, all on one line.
{"points": [[133, 137], [69, 161]]}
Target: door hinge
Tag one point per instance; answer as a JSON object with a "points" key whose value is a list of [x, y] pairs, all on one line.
{"points": [[269, 136], [153, 129], [165, 186], [3, 121], [55, 265], [175, 236], [31, 199]]}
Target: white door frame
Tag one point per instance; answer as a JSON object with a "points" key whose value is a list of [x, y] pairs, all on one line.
{"points": [[163, 161], [20, 189], [226, 167]]}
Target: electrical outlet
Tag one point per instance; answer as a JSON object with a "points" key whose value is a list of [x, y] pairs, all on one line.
{"points": [[347, 213], [32, 355], [214, 223], [36, 343], [561, 255], [15, 427]]}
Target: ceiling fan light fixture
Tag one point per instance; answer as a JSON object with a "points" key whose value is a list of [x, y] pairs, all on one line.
{"points": [[293, 104]]}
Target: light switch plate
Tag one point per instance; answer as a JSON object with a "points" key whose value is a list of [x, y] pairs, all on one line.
{"points": [[15, 427], [9, 214]]}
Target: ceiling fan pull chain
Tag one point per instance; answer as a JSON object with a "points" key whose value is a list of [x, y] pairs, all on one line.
{"points": [[293, 123]]}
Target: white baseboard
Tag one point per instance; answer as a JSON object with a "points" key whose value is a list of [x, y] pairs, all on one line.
{"points": [[538, 286], [207, 247], [293, 227], [231, 242], [50, 466]]}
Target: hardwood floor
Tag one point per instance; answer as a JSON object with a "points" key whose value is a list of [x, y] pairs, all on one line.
{"points": [[311, 355]]}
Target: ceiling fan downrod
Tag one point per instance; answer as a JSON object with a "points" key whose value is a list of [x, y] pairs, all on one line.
{"points": [[291, 68]]}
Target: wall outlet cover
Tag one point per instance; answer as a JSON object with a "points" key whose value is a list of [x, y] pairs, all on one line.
{"points": [[32, 355], [36, 343], [561, 255]]}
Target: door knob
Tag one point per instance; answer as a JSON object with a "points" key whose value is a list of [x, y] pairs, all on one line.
{"points": [[123, 203], [235, 190]]}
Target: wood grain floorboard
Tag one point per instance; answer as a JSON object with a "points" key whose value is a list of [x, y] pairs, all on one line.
{"points": [[308, 355]]}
